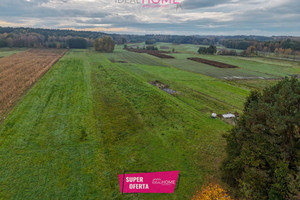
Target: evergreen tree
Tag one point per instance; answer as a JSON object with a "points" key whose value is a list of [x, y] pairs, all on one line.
{"points": [[263, 150], [212, 49]]}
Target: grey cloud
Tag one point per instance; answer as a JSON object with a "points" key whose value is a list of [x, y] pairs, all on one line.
{"points": [[195, 4], [23, 9], [247, 16]]}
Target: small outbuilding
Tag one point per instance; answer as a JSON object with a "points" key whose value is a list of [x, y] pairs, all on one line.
{"points": [[229, 115]]}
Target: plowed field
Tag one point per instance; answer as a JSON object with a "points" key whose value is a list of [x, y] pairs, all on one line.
{"points": [[20, 71], [213, 63]]}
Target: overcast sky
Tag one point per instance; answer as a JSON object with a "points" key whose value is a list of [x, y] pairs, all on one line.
{"points": [[200, 17]]}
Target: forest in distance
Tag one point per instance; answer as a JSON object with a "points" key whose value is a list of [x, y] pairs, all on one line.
{"points": [[51, 38]]}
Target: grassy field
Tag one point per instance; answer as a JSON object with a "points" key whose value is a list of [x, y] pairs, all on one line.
{"points": [[253, 84], [87, 120], [93, 116], [121, 55], [204, 93], [181, 62], [269, 67], [4, 52], [249, 67]]}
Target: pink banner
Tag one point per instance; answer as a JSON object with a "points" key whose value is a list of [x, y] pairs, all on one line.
{"points": [[152, 182]]}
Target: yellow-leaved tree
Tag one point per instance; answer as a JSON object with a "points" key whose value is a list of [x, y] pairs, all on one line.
{"points": [[211, 192], [104, 44]]}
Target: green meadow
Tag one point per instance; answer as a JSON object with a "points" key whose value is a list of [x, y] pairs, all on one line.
{"points": [[248, 67], [93, 116], [88, 120]]}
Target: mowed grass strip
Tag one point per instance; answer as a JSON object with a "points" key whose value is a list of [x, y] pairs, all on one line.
{"points": [[48, 146], [88, 120], [161, 133]]}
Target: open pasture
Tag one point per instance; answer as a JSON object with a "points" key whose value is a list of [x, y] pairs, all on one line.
{"points": [[87, 120]]}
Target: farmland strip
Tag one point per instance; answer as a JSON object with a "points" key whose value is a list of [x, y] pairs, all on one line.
{"points": [[20, 71], [159, 54], [213, 63]]}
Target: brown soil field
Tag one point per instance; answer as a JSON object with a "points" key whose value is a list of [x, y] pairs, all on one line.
{"points": [[145, 51], [20, 71], [213, 63], [160, 55], [156, 53]]}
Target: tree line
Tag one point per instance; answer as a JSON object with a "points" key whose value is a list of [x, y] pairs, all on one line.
{"points": [[265, 46], [54, 38], [59, 35], [36, 40]]}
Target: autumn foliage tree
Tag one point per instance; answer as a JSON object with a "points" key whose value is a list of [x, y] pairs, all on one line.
{"points": [[251, 51], [263, 149], [211, 192], [104, 44]]}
